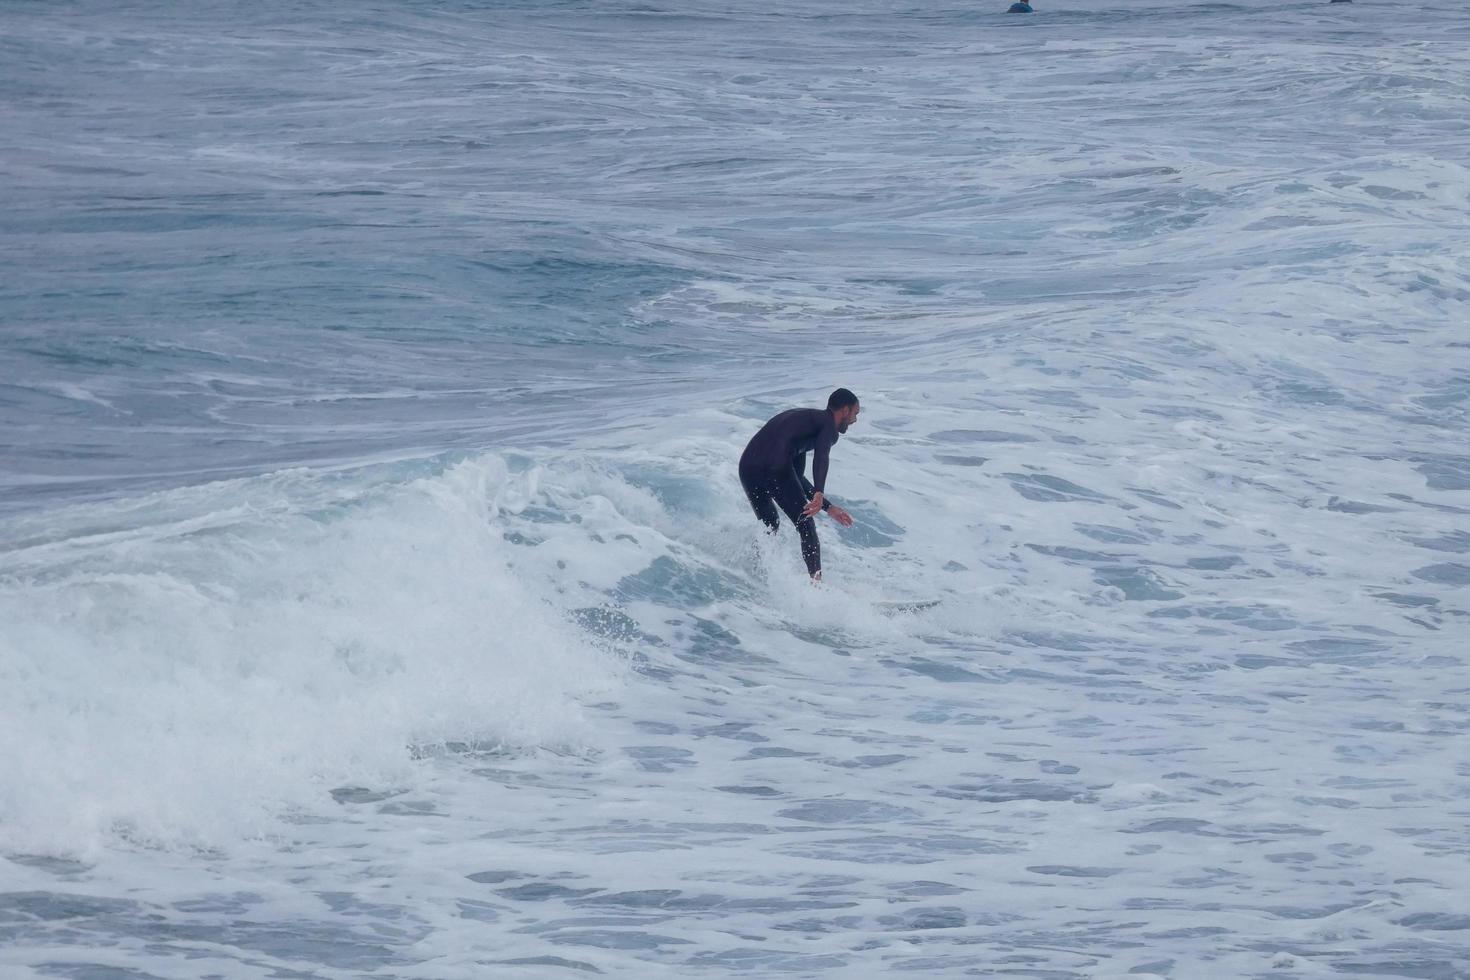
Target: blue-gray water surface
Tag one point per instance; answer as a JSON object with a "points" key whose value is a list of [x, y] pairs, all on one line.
{"points": [[377, 598]]}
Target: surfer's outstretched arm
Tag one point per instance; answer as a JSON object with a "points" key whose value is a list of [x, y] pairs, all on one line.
{"points": [[816, 499], [798, 463]]}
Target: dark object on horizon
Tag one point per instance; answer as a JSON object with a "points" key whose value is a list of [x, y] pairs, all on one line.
{"points": [[1022, 7], [1339, 1]]}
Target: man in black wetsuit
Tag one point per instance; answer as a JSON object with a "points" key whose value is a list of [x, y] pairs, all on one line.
{"points": [[773, 470]]}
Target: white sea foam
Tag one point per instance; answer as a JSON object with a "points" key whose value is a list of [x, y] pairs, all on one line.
{"points": [[188, 683]]}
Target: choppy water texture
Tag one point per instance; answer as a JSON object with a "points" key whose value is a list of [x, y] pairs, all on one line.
{"points": [[377, 599]]}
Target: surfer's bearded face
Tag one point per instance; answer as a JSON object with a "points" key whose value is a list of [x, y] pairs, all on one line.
{"points": [[847, 416]]}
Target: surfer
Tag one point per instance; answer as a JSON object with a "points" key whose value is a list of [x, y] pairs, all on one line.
{"points": [[773, 470]]}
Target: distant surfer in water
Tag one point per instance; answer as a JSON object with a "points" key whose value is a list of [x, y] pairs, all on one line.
{"points": [[773, 470]]}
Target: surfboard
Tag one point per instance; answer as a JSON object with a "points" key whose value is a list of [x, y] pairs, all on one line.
{"points": [[905, 605]]}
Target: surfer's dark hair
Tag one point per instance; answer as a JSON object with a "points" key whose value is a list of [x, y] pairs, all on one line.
{"points": [[841, 398]]}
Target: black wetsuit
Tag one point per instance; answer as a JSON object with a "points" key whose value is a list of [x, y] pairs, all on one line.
{"points": [[773, 472]]}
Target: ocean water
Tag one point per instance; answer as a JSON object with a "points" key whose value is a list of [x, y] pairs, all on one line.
{"points": [[377, 597]]}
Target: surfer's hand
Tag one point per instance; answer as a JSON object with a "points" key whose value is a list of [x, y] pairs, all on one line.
{"points": [[840, 516], [812, 506]]}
